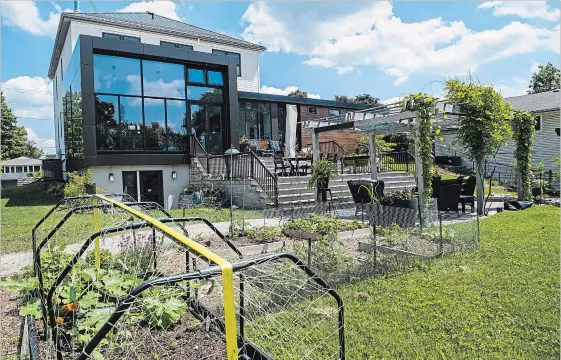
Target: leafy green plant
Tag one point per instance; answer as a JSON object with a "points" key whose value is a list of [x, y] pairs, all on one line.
{"points": [[523, 134], [390, 197], [76, 185], [322, 172], [163, 314]]}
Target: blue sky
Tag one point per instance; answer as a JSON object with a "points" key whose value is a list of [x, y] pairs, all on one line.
{"points": [[325, 48]]}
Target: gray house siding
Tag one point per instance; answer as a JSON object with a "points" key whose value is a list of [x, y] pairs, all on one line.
{"points": [[546, 144]]}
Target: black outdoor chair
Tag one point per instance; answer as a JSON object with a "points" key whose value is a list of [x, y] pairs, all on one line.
{"points": [[280, 164], [361, 191], [468, 189], [449, 197]]}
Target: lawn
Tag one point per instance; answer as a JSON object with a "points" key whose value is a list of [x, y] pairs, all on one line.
{"points": [[499, 302], [22, 207]]}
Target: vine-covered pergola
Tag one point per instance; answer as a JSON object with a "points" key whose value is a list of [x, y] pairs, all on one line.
{"points": [[424, 117], [406, 117]]}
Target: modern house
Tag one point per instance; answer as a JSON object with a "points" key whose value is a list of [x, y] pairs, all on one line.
{"points": [[131, 88], [545, 107], [18, 168]]}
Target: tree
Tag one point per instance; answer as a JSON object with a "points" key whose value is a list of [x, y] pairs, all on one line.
{"points": [[343, 98], [299, 94], [14, 138], [547, 78], [484, 125], [366, 99]]}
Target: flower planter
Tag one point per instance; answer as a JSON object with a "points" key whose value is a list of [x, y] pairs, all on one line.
{"points": [[401, 212]]}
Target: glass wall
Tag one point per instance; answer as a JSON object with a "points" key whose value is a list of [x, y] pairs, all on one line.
{"points": [[72, 108], [144, 105], [255, 120]]}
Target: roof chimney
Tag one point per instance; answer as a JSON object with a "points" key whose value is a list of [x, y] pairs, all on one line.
{"points": [[151, 14]]}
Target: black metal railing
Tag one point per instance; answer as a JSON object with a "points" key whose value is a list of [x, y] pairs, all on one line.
{"points": [[507, 176], [396, 161], [331, 147], [244, 165]]}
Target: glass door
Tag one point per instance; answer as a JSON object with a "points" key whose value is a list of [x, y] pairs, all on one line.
{"points": [[151, 186], [130, 184]]}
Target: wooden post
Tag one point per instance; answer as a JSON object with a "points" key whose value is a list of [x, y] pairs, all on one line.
{"points": [[419, 167], [315, 148], [372, 149]]}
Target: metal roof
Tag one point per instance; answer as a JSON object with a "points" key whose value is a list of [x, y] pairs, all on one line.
{"points": [[143, 21], [544, 101], [22, 160], [297, 100]]}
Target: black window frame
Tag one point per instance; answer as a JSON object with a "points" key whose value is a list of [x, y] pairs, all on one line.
{"points": [[228, 53], [337, 110], [188, 102], [314, 112], [538, 123], [177, 45], [121, 37]]}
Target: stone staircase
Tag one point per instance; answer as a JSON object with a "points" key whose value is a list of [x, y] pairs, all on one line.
{"points": [[293, 192]]}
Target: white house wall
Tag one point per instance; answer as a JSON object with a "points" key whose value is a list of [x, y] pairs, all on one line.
{"points": [[173, 187], [546, 144], [249, 81]]}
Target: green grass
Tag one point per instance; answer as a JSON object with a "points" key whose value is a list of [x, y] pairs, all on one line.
{"points": [[22, 207], [498, 302]]}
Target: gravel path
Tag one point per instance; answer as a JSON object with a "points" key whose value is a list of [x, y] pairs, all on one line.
{"points": [[11, 264]]}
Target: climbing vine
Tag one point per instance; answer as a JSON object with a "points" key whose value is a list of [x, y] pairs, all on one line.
{"points": [[424, 106], [523, 134]]}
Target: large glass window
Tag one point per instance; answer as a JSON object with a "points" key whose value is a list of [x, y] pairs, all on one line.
{"points": [[155, 120], [143, 105], [163, 79], [176, 125], [177, 46], [204, 93], [107, 122], [130, 115], [116, 75], [255, 120]]}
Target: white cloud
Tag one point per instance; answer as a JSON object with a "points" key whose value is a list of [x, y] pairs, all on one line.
{"points": [[164, 8], [25, 16], [287, 90], [343, 69], [29, 97], [370, 34], [523, 9], [392, 100], [514, 87], [46, 144]]}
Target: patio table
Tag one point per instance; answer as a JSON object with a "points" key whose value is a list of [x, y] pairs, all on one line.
{"points": [[295, 164]]}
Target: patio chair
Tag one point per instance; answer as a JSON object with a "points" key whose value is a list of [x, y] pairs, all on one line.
{"points": [[332, 158], [449, 197], [275, 146], [280, 164], [361, 191], [468, 189]]}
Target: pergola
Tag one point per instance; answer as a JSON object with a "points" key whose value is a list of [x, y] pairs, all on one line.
{"points": [[387, 119]]}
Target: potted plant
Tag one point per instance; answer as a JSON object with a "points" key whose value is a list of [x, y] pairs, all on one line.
{"points": [[322, 172], [401, 198], [243, 143]]}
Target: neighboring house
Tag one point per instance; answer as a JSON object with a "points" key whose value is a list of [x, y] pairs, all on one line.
{"points": [[18, 168], [129, 87], [545, 106]]}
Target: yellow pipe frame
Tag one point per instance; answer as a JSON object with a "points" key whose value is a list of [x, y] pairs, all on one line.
{"points": [[225, 266]]}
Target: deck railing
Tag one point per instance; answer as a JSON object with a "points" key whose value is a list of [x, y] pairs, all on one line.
{"points": [[331, 147], [244, 165]]}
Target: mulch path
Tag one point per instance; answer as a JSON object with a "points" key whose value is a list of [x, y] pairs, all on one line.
{"points": [[10, 323]]}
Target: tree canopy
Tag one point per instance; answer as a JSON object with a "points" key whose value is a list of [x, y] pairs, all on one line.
{"points": [[14, 138], [366, 99], [299, 93], [547, 78]]}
